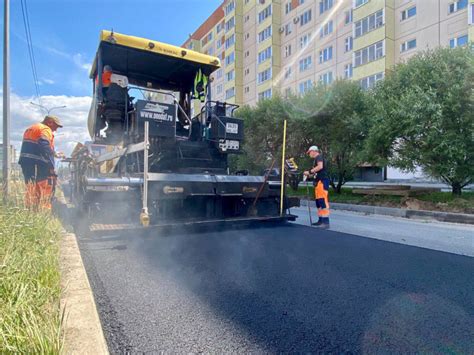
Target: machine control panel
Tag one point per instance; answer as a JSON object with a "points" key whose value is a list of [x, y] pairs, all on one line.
{"points": [[227, 145]]}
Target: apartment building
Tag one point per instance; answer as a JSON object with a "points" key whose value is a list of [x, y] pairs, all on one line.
{"points": [[289, 45]]}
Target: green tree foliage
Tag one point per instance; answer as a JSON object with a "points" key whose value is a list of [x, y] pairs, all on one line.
{"points": [[335, 118], [424, 116], [263, 126], [332, 117]]}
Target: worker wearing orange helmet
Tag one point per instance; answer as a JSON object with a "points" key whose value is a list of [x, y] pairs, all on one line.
{"points": [[37, 162], [321, 186]]}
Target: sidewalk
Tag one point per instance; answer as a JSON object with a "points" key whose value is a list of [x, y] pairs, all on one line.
{"points": [[401, 212]]}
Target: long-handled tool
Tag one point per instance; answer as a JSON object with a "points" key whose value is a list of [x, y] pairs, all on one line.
{"points": [[305, 178]]}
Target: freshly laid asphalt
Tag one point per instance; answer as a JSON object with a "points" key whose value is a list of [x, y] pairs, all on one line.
{"points": [[287, 288]]}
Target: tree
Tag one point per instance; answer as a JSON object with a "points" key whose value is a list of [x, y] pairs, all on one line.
{"points": [[424, 116], [335, 117], [263, 129]]}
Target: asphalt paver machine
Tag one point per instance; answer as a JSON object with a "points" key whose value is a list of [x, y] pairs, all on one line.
{"points": [[157, 160]]}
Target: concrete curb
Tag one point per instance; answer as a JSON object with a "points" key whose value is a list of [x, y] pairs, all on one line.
{"points": [[404, 213], [82, 330]]}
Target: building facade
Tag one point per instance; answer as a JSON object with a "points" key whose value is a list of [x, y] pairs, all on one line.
{"points": [[289, 45]]}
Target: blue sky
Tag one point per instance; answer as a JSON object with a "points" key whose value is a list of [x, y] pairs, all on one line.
{"points": [[65, 35]]}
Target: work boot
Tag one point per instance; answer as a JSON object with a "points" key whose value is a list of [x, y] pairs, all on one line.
{"points": [[323, 223], [318, 223]]}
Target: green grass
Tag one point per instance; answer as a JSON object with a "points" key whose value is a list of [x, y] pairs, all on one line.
{"points": [[439, 201], [30, 320]]}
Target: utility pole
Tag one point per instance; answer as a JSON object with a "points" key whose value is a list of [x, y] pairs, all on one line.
{"points": [[6, 101]]}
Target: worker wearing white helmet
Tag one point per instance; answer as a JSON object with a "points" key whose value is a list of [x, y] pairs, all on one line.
{"points": [[321, 186]]}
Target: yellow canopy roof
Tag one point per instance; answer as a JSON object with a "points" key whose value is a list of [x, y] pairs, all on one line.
{"points": [[151, 60]]}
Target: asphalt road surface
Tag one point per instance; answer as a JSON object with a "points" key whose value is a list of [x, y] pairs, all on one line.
{"points": [[287, 288]]}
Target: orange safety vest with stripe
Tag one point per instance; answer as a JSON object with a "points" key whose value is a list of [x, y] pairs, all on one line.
{"points": [[38, 146], [105, 79]]}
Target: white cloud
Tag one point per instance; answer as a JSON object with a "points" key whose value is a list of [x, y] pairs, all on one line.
{"points": [[48, 81], [73, 117]]}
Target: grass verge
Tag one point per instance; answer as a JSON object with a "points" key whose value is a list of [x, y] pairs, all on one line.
{"points": [[30, 320], [434, 201]]}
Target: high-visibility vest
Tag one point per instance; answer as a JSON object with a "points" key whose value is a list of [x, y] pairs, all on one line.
{"points": [[38, 145], [200, 85], [105, 79]]}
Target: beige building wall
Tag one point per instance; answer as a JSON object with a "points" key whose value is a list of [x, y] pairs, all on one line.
{"points": [[434, 23]]}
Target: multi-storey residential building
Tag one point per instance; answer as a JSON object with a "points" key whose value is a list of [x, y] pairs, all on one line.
{"points": [[289, 45]]}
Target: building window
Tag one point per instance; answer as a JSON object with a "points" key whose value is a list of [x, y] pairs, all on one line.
{"points": [[369, 54], [325, 54], [370, 81], [219, 28], [305, 86], [287, 92], [247, 89], [305, 17], [287, 72], [219, 43], [326, 78], [247, 71], [348, 71], [262, 15], [266, 33], [287, 29], [300, 2], [457, 5], [304, 40], [369, 23], [246, 18], [230, 24], [219, 74], [264, 55], [229, 42], [305, 63], [247, 35], [458, 42], [230, 58], [326, 30], [210, 51], [264, 76], [230, 75], [230, 93], [267, 94], [229, 8], [408, 13], [406, 46], [288, 8], [219, 89], [358, 3], [287, 51], [348, 17], [471, 15], [325, 5], [348, 44]]}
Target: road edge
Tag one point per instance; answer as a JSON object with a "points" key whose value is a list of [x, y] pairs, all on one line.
{"points": [[404, 213], [81, 327]]}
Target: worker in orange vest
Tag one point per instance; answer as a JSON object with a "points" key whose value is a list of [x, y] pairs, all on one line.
{"points": [[321, 186], [37, 162], [106, 75]]}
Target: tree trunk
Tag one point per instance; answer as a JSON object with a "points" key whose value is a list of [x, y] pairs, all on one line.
{"points": [[456, 188], [339, 183]]}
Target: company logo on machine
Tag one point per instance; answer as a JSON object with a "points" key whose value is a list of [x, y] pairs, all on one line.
{"points": [[156, 111], [232, 128]]}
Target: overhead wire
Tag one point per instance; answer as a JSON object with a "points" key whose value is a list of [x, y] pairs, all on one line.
{"points": [[31, 52]]}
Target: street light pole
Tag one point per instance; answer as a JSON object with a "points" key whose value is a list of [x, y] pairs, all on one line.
{"points": [[6, 101], [48, 110]]}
